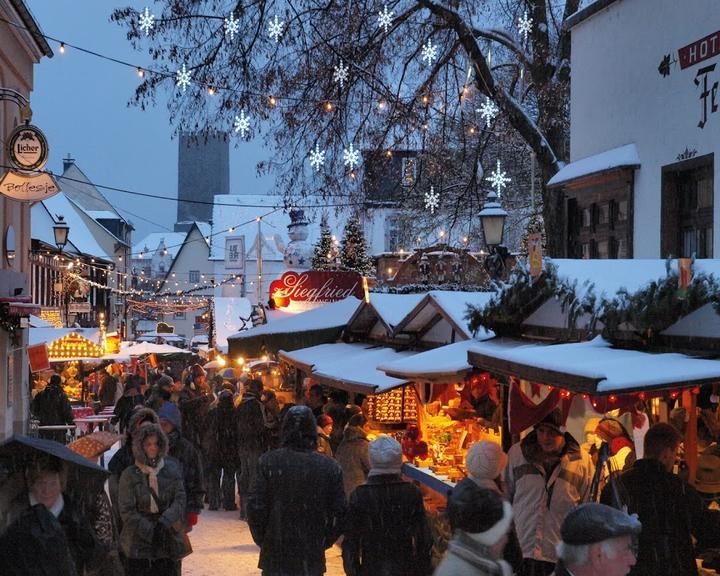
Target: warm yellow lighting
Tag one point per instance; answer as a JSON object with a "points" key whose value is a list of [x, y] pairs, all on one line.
{"points": [[62, 47], [240, 361], [273, 101], [264, 358], [140, 72], [221, 361]]}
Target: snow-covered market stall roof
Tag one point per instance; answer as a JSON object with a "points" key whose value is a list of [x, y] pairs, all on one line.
{"points": [[623, 157], [378, 318], [49, 335], [593, 367], [319, 325], [447, 363], [351, 367]]}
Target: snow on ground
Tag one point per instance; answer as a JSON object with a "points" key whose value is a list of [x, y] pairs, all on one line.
{"points": [[222, 545]]}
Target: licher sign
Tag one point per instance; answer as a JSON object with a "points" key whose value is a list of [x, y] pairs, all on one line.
{"points": [[315, 287], [27, 148]]}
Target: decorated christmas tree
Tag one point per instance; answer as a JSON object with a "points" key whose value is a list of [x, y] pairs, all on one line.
{"points": [[353, 250], [324, 252]]}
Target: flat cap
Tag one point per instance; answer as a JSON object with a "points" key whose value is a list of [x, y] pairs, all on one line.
{"points": [[591, 523]]}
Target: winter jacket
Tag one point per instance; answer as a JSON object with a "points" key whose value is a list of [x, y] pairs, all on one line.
{"points": [[220, 439], [252, 433], [324, 446], [125, 405], [295, 510], [194, 405], [671, 512], [107, 391], [191, 470], [352, 455], [468, 558], [52, 407], [541, 502], [386, 530], [145, 534]]}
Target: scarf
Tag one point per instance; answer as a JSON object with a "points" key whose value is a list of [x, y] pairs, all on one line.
{"points": [[152, 474], [476, 555]]}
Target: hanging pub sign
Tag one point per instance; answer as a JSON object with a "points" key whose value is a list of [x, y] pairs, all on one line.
{"points": [[315, 287], [28, 188], [27, 150]]}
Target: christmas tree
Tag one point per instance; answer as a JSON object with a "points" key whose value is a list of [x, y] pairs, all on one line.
{"points": [[324, 252], [353, 250]]}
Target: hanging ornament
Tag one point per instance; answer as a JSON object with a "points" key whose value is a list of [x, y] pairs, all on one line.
{"points": [[432, 200], [147, 21], [232, 26], [498, 179], [183, 78], [488, 111], [242, 124], [351, 157], [429, 52], [385, 19], [525, 26], [341, 74], [317, 157], [275, 28]]}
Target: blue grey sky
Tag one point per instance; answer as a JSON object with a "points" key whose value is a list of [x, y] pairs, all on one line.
{"points": [[80, 102]]}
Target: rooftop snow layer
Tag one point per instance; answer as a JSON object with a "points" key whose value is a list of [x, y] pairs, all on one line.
{"points": [[392, 308], [455, 305], [616, 158]]}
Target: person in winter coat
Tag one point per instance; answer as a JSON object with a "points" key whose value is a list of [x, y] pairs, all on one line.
{"points": [[52, 407], [152, 506], [482, 519], [324, 430], [671, 511], [547, 475], [131, 397], [160, 392], [252, 439], [107, 389], [352, 454], [297, 504], [222, 452], [190, 464], [386, 530], [194, 402]]}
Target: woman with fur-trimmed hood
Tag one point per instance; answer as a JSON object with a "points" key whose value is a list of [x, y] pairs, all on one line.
{"points": [[152, 507]]}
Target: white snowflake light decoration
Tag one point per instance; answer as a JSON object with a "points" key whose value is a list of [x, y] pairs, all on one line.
{"points": [[147, 21], [341, 74], [498, 179], [429, 52], [242, 124], [525, 25], [432, 200], [317, 158], [488, 111], [351, 157], [183, 78], [232, 26], [385, 19], [275, 28]]}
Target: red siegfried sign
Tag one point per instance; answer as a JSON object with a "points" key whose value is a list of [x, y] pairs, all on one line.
{"points": [[315, 286], [699, 50]]}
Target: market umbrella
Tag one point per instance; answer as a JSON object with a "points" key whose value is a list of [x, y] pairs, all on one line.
{"points": [[228, 373], [91, 446]]}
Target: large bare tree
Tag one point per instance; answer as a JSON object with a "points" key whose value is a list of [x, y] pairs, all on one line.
{"points": [[339, 74]]}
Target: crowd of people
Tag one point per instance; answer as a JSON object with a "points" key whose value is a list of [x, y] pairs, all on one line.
{"points": [[308, 477]]}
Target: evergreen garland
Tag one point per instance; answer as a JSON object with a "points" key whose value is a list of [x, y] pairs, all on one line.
{"points": [[324, 252], [353, 250]]}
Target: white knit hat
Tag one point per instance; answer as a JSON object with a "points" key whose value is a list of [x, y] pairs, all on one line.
{"points": [[385, 456], [485, 460]]}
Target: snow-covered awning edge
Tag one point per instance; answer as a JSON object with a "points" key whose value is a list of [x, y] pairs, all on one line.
{"points": [[623, 157]]}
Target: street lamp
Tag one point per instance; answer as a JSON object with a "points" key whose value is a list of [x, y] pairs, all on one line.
{"points": [[492, 219], [61, 230]]}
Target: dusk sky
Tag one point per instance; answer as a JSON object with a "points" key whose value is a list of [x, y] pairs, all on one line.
{"points": [[80, 102]]}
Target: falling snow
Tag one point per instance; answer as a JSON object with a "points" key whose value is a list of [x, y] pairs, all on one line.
{"points": [[488, 111], [275, 28], [432, 200], [341, 74], [147, 21], [317, 158], [429, 52], [525, 25], [242, 124], [232, 26], [351, 157], [498, 179], [183, 78], [385, 19]]}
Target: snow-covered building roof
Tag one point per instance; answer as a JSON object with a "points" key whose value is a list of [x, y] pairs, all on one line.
{"points": [[442, 364], [78, 187], [378, 318], [173, 241], [622, 157]]}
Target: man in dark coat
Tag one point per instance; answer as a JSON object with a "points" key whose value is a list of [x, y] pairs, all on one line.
{"points": [[297, 504], [52, 407], [194, 402], [253, 438], [670, 510], [107, 390], [221, 452], [386, 530]]}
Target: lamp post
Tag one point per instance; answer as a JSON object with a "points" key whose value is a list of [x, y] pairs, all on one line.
{"points": [[61, 230], [492, 219]]}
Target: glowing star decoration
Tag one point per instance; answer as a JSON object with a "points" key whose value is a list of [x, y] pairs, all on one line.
{"points": [[429, 52], [275, 28], [525, 26], [498, 179], [432, 200], [351, 157], [488, 111], [232, 26], [385, 19], [341, 74], [147, 21], [242, 124], [183, 78], [317, 158]]}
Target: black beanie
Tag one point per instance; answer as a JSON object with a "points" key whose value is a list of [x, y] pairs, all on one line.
{"points": [[474, 509]]}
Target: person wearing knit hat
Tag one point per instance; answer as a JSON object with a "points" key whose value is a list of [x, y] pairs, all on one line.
{"points": [[386, 527], [481, 519], [485, 462]]}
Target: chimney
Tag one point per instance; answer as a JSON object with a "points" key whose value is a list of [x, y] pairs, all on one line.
{"points": [[67, 162]]}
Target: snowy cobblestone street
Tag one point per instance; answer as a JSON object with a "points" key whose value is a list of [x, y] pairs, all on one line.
{"points": [[222, 545]]}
